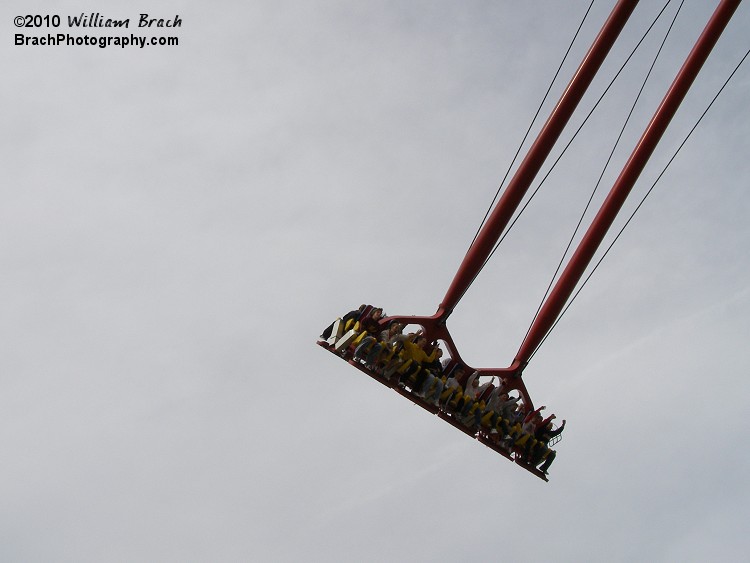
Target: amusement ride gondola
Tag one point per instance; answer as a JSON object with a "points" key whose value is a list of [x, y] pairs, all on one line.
{"points": [[343, 337]]}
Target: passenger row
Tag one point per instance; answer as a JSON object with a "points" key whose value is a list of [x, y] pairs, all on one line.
{"points": [[413, 363]]}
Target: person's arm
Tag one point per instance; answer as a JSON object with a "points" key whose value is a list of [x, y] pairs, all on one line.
{"points": [[532, 414]]}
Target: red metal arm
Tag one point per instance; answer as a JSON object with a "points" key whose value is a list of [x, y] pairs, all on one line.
{"points": [[624, 183], [434, 326], [532, 163]]}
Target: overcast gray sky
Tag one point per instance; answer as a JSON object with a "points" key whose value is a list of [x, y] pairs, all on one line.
{"points": [[178, 224]]}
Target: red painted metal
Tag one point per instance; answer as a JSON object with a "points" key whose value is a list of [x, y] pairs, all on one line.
{"points": [[477, 433], [434, 326], [528, 169], [624, 183]]}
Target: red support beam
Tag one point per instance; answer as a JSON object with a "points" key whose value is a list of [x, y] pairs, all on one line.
{"points": [[435, 326], [532, 163], [624, 183]]}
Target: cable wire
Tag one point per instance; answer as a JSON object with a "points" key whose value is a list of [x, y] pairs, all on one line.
{"points": [[523, 208], [533, 120], [679, 148], [606, 165]]}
